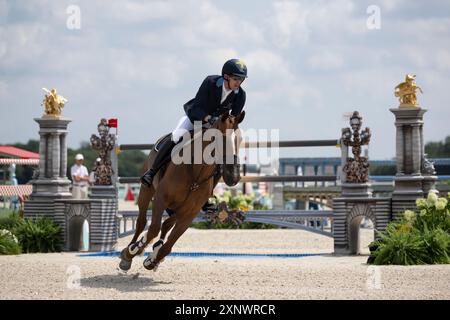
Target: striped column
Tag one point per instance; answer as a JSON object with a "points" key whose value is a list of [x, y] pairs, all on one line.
{"points": [[56, 164]]}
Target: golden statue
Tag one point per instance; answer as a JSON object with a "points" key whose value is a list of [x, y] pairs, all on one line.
{"points": [[406, 92], [53, 103]]}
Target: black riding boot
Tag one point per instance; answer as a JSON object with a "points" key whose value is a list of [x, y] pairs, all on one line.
{"points": [[161, 158]]}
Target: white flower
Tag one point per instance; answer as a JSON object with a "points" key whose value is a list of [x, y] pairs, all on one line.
{"points": [[441, 203], [432, 198], [5, 232], [423, 212], [421, 203], [409, 215]]}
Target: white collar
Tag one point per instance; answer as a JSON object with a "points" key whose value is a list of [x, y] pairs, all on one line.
{"points": [[225, 89]]}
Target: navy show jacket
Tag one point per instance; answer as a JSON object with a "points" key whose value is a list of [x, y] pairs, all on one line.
{"points": [[207, 100]]}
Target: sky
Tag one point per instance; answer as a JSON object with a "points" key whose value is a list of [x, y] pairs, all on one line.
{"points": [[309, 63]]}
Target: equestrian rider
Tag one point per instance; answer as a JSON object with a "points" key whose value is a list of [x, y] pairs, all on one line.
{"points": [[217, 95]]}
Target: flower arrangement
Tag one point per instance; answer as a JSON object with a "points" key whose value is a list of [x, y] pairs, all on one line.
{"points": [[421, 237]]}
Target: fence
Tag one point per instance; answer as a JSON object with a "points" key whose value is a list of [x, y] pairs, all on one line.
{"points": [[317, 221]]}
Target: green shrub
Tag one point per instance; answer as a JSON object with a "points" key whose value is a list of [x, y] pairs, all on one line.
{"points": [[399, 245], [256, 225], [437, 243], [42, 235], [10, 221], [8, 243], [422, 238], [244, 225]]}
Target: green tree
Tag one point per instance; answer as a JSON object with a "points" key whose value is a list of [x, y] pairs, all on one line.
{"points": [[131, 163], [440, 149]]}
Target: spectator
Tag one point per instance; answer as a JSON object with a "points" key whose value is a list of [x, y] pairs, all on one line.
{"points": [[80, 178]]}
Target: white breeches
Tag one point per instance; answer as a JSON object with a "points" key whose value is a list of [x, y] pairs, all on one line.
{"points": [[183, 125]]}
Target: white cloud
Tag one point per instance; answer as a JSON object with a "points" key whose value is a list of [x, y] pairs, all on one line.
{"points": [[325, 61], [267, 65], [217, 57], [142, 11], [289, 19], [443, 60]]}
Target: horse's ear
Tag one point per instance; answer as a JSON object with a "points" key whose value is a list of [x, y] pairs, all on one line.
{"points": [[241, 117]]}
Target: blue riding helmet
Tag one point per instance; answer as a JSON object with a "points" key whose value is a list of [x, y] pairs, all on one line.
{"points": [[235, 67]]}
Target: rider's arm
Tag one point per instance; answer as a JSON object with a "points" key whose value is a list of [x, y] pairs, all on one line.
{"points": [[238, 105], [199, 110]]}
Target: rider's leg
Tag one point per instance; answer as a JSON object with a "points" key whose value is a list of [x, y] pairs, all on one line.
{"points": [[161, 158], [164, 153]]}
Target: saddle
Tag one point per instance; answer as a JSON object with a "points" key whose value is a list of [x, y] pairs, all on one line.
{"points": [[160, 141]]}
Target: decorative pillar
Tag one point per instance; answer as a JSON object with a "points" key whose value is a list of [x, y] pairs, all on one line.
{"points": [[48, 183], [63, 165], [48, 159], [409, 181], [355, 202], [417, 151], [56, 155], [399, 150], [42, 152]]}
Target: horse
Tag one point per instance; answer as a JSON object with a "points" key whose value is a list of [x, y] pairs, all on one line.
{"points": [[183, 188]]}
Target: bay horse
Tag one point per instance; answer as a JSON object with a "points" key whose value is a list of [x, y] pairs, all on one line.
{"points": [[183, 188]]}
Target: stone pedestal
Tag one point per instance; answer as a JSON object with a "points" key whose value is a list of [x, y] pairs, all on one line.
{"points": [[102, 192], [100, 214], [349, 212], [409, 157], [51, 181], [352, 190], [429, 184]]}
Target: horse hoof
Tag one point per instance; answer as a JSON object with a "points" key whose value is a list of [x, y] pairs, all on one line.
{"points": [[150, 263], [125, 265]]}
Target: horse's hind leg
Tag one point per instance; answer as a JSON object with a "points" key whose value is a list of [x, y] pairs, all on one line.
{"points": [[166, 226], [134, 248], [181, 226]]}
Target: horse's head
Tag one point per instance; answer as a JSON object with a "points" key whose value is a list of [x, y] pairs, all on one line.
{"points": [[228, 125]]}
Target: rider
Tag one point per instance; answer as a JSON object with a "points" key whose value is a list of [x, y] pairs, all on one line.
{"points": [[217, 95]]}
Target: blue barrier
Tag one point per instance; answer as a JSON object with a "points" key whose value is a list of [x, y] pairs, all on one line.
{"points": [[214, 254]]}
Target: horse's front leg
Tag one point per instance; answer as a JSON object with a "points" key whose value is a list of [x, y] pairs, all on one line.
{"points": [[182, 223], [137, 247]]}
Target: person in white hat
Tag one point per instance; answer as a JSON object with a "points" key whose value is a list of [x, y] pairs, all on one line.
{"points": [[80, 178]]}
